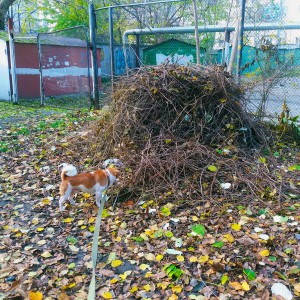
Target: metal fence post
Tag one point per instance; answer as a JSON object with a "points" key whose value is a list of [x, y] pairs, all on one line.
{"points": [[111, 43], [42, 91], [92, 25], [240, 41], [12, 61]]}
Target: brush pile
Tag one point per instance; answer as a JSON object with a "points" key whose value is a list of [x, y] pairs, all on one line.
{"points": [[181, 127]]}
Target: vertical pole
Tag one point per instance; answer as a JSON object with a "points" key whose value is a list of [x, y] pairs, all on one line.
{"points": [[137, 51], [93, 45], [88, 67], [111, 43], [196, 32], [42, 90], [12, 61], [240, 40], [227, 47]]}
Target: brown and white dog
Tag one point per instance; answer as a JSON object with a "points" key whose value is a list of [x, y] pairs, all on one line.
{"points": [[93, 183]]}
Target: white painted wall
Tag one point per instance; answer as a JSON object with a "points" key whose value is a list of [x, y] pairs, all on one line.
{"points": [[4, 73]]}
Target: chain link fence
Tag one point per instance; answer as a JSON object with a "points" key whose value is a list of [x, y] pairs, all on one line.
{"points": [[64, 62], [270, 58]]}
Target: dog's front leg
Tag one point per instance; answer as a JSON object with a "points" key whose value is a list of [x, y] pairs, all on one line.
{"points": [[71, 199], [62, 200]]}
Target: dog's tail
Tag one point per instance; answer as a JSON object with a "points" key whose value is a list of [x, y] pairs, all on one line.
{"points": [[67, 170], [113, 161]]}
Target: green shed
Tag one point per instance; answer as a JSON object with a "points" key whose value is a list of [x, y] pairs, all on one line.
{"points": [[173, 51]]}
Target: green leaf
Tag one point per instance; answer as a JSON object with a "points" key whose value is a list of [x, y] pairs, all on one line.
{"points": [[251, 275], [71, 266], [172, 271], [72, 240], [169, 234], [262, 160], [199, 229], [218, 244], [272, 258], [166, 211], [276, 154], [212, 168], [137, 239], [224, 279]]}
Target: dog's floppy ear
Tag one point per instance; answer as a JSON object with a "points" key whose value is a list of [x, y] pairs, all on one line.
{"points": [[113, 161]]}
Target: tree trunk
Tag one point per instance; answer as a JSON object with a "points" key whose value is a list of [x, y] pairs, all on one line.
{"points": [[4, 6]]}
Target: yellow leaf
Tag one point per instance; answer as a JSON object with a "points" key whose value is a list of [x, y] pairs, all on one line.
{"points": [[114, 280], [203, 258], [133, 289], [91, 219], [236, 285], [107, 295], [46, 254], [46, 201], [123, 276], [148, 274], [159, 257], [173, 297], [40, 229], [245, 286], [86, 195], [67, 220], [118, 239], [193, 259], [150, 232], [162, 285], [229, 238], [236, 227], [195, 218], [264, 253], [147, 287], [35, 296], [116, 263], [176, 289], [69, 286], [92, 228], [143, 267], [180, 258]]}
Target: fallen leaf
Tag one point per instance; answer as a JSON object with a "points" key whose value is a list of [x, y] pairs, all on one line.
{"points": [[107, 295], [35, 295], [236, 285], [264, 253], [245, 286], [46, 254], [116, 263], [236, 227], [280, 289]]}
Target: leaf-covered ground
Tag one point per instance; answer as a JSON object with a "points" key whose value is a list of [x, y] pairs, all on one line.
{"points": [[148, 248]]}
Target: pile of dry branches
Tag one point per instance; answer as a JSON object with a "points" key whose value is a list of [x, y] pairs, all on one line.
{"points": [[170, 123]]}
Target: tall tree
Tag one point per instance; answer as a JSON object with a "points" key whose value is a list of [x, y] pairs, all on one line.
{"points": [[4, 6]]}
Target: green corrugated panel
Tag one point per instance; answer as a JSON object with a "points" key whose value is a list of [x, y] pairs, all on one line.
{"points": [[173, 51]]}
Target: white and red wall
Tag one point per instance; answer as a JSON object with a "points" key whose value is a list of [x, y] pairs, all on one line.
{"points": [[65, 70]]}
